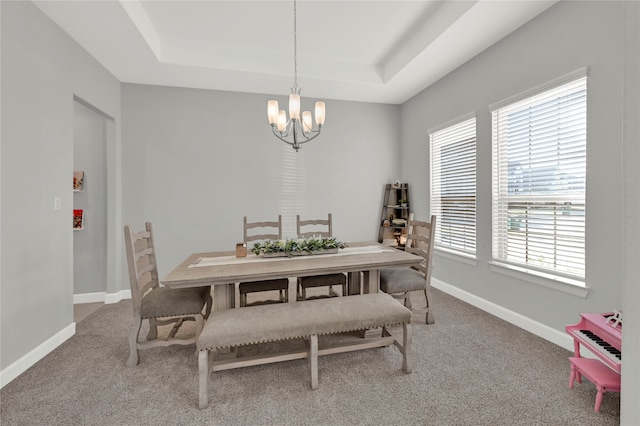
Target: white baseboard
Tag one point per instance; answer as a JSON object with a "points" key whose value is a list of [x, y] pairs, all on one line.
{"points": [[89, 298], [42, 350], [104, 297], [22, 364], [552, 335]]}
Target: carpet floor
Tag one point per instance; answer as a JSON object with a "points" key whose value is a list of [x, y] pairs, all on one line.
{"points": [[469, 368]]}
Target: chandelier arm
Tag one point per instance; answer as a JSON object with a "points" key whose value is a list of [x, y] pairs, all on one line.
{"points": [[309, 139], [280, 135]]}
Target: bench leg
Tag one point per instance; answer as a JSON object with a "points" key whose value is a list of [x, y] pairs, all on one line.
{"points": [[313, 361], [406, 348], [596, 407], [575, 375], [203, 367]]}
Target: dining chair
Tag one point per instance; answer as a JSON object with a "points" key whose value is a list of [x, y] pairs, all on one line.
{"points": [[399, 282], [157, 304], [254, 231], [318, 228]]}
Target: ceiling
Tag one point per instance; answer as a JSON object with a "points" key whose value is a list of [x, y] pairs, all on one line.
{"points": [[374, 51]]}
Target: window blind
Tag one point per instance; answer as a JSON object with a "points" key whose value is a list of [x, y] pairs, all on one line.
{"points": [[453, 186], [539, 181]]}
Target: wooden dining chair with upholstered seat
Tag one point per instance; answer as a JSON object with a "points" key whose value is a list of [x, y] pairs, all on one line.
{"points": [[254, 231], [399, 282], [159, 305], [318, 228]]}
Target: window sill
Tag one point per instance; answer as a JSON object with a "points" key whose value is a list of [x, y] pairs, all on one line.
{"points": [[456, 256], [565, 285]]}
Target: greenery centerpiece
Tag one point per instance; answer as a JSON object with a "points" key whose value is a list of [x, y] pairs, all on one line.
{"points": [[297, 247]]}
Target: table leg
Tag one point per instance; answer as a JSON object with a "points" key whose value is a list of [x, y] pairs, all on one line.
{"points": [[371, 281], [353, 283], [224, 296], [371, 284]]}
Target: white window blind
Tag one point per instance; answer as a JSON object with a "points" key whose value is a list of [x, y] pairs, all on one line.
{"points": [[453, 186], [539, 181]]}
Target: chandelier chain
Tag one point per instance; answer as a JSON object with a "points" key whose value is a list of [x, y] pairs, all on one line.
{"points": [[295, 48]]}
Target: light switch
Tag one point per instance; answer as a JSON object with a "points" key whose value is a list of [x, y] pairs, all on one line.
{"points": [[57, 203]]}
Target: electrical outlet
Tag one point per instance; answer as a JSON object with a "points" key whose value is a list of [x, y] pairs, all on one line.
{"points": [[57, 203]]}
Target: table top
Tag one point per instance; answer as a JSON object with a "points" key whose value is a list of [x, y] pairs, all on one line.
{"points": [[213, 268]]}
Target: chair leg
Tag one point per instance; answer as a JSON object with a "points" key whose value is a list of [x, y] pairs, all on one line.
{"points": [[406, 348], [203, 368], [407, 300], [209, 303], [134, 355], [313, 360], [199, 324], [298, 291], [153, 329], [429, 318]]}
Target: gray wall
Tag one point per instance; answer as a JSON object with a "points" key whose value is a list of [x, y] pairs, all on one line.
{"points": [[565, 38], [630, 413], [195, 162], [90, 244], [42, 70]]}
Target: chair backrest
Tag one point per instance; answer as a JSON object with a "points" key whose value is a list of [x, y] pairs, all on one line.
{"points": [[314, 227], [268, 231], [141, 258], [420, 238]]}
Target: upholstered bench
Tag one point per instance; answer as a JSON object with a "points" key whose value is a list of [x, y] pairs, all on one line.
{"points": [[229, 328]]}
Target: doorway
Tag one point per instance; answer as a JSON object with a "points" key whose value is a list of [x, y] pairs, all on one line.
{"points": [[90, 240]]}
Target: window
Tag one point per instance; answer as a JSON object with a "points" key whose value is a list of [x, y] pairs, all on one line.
{"points": [[453, 186], [539, 180]]}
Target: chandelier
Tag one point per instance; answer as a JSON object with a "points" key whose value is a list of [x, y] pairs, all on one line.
{"points": [[295, 131]]}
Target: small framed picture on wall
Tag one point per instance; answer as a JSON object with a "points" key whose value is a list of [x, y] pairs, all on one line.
{"points": [[78, 219], [78, 180]]}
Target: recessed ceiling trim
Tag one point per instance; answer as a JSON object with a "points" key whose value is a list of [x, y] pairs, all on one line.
{"points": [[387, 57], [433, 26], [143, 24]]}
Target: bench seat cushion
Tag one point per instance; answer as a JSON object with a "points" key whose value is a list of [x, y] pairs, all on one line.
{"points": [[260, 324]]}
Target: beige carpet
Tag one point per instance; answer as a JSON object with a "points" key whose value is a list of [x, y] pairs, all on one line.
{"points": [[469, 368]]}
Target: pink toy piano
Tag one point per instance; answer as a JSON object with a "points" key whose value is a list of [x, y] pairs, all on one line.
{"points": [[601, 334]]}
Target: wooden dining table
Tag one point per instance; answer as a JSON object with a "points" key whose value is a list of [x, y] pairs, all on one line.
{"points": [[222, 269]]}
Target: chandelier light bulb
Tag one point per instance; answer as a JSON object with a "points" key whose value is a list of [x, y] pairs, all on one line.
{"points": [[320, 113], [307, 122], [282, 121], [294, 106], [272, 112]]}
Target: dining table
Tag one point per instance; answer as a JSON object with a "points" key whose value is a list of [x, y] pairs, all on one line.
{"points": [[362, 261]]}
